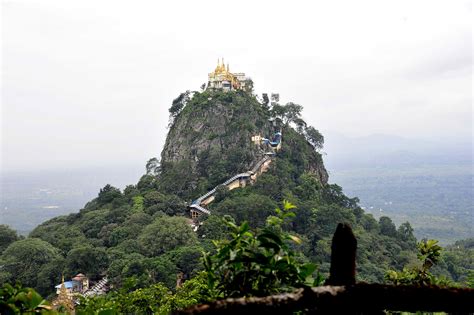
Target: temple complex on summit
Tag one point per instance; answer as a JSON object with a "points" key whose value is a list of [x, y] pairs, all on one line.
{"points": [[222, 78]]}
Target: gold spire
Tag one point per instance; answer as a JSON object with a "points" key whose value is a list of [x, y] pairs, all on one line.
{"points": [[63, 299], [62, 290], [228, 67]]}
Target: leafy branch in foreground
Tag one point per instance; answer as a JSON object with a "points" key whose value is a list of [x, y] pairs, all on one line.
{"points": [[429, 254], [19, 300], [156, 299], [258, 263]]}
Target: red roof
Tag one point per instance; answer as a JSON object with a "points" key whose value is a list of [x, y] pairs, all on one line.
{"points": [[79, 277]]}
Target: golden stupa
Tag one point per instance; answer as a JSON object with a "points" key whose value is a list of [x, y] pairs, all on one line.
{"points": [[222, 78], [64, 299]]}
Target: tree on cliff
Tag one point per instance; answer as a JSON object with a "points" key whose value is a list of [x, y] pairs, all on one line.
{"points": [[178, 105], [288, 113], [153, 166], [314, 137]]}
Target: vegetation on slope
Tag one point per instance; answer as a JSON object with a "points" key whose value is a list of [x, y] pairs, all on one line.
{"points": [[141, 235]]}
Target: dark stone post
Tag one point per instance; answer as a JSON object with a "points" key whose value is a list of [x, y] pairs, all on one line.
{"points": [[343, 255]]}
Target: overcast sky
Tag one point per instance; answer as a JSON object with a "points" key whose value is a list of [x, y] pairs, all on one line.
{"points": [[90, 82]]}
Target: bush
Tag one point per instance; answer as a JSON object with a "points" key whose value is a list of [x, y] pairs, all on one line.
{"points": [[257, 264]]}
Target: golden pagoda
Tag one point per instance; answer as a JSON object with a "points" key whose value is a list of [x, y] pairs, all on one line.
{"points": [[64, 299], [222, 78]]}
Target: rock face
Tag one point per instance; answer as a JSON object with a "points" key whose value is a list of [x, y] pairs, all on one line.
{"points": [[210, 140], [220, 123]]}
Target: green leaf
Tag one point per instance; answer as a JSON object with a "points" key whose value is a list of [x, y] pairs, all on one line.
{"points": [[107, 312], [244, 227], [233, 254], [267, 234], [319, 280], [288, 205], [295, 239], [307, 270], [270, 245]]}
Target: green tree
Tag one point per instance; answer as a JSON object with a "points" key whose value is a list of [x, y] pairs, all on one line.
{"points": [[162, 270], [7, 236], [292, 112], [470, 279], [326, 218], [153, 167], [309, 187], [178, 105], [405, 231], [259, 263], [108, 194], [221, 192], [300, 125], [50, 275], [61, 234], [24, 259], [458, 261], [155, 299], [164, 234], [314, 137], [387, 227], [429, 253], [278, 111], [155, 201], [138, 204], [253, 208], [146, 183], [213, 228], [265, 100], [187, 259], [152, 198], [288, 113], [92, 261]]}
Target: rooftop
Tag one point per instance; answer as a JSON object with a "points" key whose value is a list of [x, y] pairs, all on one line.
{"points": [[67, 284]]}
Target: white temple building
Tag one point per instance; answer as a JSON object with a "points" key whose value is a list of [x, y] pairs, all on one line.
{"points": [[222, 78]]}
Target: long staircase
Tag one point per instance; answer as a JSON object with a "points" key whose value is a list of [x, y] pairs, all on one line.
{"points": [[98, 289], [198, 205]]}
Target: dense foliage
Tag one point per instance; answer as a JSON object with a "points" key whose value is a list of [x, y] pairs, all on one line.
{"points": [[429, 253], [7, 236], [155, 299], [19, 300], [258, 264]]}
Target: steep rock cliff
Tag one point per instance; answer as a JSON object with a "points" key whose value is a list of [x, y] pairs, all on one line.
{"points": [[210, 140]]}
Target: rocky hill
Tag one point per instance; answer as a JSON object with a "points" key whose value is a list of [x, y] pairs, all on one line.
{"points": [[210, 139]]}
